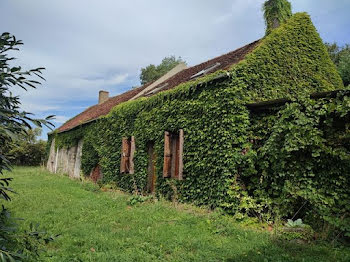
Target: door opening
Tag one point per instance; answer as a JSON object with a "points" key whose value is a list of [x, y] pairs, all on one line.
{"points": [[152, 177]]}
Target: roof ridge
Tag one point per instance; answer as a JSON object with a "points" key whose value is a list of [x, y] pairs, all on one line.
{"points": [[253, 44], [230, 52]]}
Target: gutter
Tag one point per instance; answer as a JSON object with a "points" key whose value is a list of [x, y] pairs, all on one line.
{"points": [[282, 101]]}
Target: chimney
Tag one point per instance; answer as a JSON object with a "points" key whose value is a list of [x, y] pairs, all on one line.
{"points": [[102, 96]]}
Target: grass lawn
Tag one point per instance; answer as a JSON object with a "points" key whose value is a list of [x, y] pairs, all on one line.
{"points": [[100, 226]]}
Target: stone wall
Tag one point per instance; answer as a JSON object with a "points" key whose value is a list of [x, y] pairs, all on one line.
{"points": [[51, 159], [65, 160]]}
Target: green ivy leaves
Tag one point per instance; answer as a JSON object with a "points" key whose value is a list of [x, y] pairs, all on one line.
{"points": [[259, 163]]}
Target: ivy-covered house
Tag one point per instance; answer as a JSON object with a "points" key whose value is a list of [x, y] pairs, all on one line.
{"points": [[66, 158], [259, 129]]}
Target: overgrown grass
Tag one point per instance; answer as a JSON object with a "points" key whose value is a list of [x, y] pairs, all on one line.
{"points": [[101, 226]]}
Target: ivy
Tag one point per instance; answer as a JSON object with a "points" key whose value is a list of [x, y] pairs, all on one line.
{"points": [[290, 160], [69, 139], [89, 159], [303, 162], [276, 12]]}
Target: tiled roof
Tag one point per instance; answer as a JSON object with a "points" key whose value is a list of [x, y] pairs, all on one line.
{"points": [[98, 110], [222, 62]]}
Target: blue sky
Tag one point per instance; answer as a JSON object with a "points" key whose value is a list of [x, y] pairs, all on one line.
{"points": [[87, 45]]}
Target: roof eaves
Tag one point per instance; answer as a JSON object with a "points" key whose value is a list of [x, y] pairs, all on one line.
{"points": [[279, 102], [82, 124], [218, 78]]}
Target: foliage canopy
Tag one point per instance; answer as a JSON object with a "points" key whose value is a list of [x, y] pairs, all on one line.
{"points": [[341, 58], [26, 149], [13, 123]]}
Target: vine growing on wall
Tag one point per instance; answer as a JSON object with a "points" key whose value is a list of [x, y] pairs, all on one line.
{"points": [[298, 164], [256, 163], [276, 12]]}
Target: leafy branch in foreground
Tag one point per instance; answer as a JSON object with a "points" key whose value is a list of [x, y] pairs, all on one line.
{"points": [[15, 245], [30, 241], [14, 121]]}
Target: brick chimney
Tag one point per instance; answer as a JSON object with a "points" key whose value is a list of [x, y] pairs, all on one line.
{"points": [[102, 96]]}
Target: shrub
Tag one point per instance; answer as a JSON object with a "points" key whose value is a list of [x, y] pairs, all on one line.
{"points": [[26, 149], [28, 154]]}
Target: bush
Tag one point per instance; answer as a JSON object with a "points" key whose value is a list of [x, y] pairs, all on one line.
{"points": [[26, 150], [20, 245], [27, 154]]}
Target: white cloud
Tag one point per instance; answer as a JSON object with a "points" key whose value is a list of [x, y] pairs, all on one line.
{"points": [[89, 45], [223, 18], [106, 81], [39, 107], [60, 119]]}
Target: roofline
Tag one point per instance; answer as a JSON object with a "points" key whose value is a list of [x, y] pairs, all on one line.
{"points": [[82, 124], [220, 77], [252, 106], [176, 77]]}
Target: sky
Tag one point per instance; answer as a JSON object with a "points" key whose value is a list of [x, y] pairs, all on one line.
{"points": [[92, 45]]}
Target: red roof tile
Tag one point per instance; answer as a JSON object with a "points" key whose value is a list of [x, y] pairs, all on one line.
{"points": [[224, 62], [98, 110]]}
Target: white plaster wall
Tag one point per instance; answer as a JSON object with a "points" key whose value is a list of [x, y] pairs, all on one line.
{"points": [[65, 160], [52, 157], [77, 165]]}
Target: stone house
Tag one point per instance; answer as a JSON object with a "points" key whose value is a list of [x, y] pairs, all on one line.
{"points": [[191, 131], [68, 160]]}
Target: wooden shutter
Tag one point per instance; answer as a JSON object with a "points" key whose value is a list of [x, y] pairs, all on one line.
{"points": [[167, 155], [124, 160], [174, 143], [180, 154], [132, 152], [177, 154]]}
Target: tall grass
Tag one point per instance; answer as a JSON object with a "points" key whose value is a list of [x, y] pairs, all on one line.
{"points": [[102, 226]]}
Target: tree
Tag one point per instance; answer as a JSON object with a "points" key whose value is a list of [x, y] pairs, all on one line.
{"points": [[152, 72], [27, 150], [276, 12], [341, 58], [344, 68], [13, 122]]}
